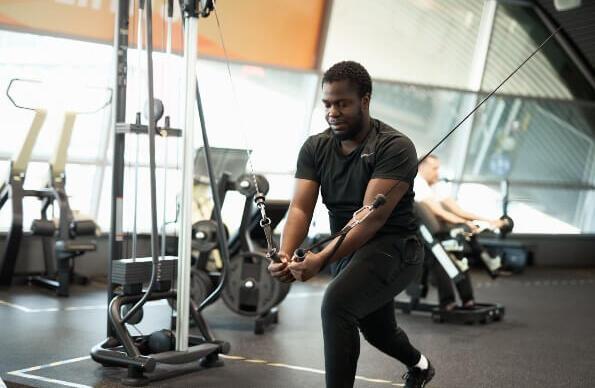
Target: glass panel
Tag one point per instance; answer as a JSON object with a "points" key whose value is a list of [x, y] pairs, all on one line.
{"points": [[533, 209], [532, 140], [418, 41], [104, 213], [65, 63], [546, 149], [143, 205], [232, 206], [79, 180], [4, 166], [550, 73], [546, 210], [265, 110]]}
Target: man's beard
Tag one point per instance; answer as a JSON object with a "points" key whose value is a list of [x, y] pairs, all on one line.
{"points": [[352, 131]]}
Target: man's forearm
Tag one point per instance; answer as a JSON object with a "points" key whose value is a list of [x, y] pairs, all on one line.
{"points": [[466, 215], [457, 210], [295, 230], [355, 239], [451, 218]]}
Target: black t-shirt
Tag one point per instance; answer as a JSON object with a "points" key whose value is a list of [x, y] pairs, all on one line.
{"points": [[385, 153]]}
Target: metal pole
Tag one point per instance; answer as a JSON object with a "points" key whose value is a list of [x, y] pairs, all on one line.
{"points": [[165, 156], [185, 220], [139, 77], [119, 109]]}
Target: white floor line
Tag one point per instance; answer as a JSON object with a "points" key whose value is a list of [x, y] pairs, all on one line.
{"points": [[306, 369], [15, 306], [23, 373], [535, 283], [47, 380], [73, 308], [294, 367], [304, 294]]}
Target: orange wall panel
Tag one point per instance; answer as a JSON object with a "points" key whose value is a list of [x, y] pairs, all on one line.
{"points": [[275, 32]]}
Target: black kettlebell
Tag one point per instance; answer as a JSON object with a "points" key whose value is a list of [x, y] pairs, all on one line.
{"points": [[162, 341]]}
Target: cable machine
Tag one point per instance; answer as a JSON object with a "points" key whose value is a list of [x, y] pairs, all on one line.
{"points": [[143, 353]]}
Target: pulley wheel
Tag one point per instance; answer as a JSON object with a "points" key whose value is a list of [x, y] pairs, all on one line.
{"points": [[250, 288], [245, 184], [204, 236]]}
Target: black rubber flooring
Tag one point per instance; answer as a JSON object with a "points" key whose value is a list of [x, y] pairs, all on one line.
{"points": [[547, 339]]}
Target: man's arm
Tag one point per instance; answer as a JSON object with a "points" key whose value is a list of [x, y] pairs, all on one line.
{"points": [[454, 208], [364, 232], [443, 214], [299, 215], [359, 235], [295, 230]]}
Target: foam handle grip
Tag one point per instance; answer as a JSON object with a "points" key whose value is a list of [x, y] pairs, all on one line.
{"points": [[43, 228], [83, 228], [300, 254], [379, 201]]}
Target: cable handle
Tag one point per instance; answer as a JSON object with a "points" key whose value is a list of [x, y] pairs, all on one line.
{"points": [[379, 201], [299, 254], [272, 253]]}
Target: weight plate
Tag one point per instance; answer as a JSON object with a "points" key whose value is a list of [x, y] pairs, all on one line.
{"points": [[250, 289], [201, 286]]}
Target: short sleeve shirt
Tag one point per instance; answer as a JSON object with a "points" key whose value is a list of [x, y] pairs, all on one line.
{"points": [[385, 153], [423, 191]]}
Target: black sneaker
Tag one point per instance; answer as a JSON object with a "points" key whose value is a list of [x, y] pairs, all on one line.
{"points": [[418, 378]]}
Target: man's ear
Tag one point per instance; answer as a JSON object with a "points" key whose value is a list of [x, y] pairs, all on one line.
{"points": [[366, 101]]}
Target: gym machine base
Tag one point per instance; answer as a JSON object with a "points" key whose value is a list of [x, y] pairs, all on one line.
{"points": [[480, 313], [143, 353]]}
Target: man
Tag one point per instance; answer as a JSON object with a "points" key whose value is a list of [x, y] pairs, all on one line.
{"points": [[443, 206], [446, 209], [351, 162]]}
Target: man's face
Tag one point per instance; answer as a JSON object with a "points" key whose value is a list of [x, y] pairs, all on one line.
{"points": [[345, 111], [430, 170]]}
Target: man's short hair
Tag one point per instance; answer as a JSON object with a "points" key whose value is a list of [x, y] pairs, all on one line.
{"points": [[430, 156], [353, 72]]}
